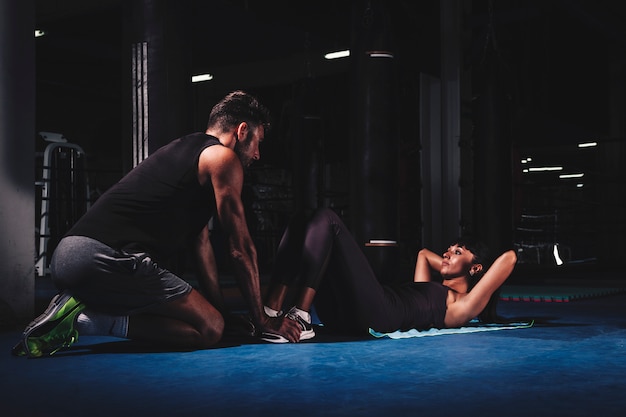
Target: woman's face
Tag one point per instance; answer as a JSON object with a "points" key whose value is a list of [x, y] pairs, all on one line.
{"points": [[457, 262]]}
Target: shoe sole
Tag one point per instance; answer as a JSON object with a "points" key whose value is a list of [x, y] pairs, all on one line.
{"points": [[307, 334], [276, 338], [18, 349], [53, 308], [273, 338]]}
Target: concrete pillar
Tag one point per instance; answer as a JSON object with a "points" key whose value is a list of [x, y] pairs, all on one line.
{"points": [[17, 153], [611, 176], [157, 70]]}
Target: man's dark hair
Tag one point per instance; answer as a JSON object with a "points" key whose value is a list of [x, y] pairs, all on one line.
{"points": [[238, 107]]}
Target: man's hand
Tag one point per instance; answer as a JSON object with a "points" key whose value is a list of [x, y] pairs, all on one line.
{"points": [[238, 325], [283, 326]]}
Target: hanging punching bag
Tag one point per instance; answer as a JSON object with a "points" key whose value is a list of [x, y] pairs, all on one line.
{"points": [[373, 191], [493, 167], [307, 138]]}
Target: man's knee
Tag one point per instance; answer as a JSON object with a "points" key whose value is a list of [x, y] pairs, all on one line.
{"points": [[213, 330], [205, 319]]}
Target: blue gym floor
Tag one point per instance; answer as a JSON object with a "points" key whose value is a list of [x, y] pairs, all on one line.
{"points": [[571, 363]]}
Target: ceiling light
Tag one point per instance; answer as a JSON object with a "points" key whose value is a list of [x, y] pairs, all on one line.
{"points": [[557, 256], [337, 54], [39, 33], [587, 144], [563, 176], [379, 54], [201, 77], [543, 169]]}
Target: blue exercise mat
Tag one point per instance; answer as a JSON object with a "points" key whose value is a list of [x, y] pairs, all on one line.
{"points": [[554, 293]]}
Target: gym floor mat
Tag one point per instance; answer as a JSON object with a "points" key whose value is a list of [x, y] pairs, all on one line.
{"points": [[556, 294]]}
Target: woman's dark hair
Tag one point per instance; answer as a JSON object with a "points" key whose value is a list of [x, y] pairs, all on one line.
{"points": [[238, 107], [482, 255]]}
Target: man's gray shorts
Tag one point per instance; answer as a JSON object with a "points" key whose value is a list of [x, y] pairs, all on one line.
{"points": [[112, 281]]}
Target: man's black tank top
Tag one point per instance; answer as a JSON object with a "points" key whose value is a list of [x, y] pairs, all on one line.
{"points": [[158, 206]]}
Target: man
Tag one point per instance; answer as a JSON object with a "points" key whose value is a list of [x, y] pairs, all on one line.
{"points": [[107, 266]]}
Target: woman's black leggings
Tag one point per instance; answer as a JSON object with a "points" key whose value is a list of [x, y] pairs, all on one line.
{"points": [[322, 254]]}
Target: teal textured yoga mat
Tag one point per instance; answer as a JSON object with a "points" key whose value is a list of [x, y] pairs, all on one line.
{"points": [[473, 327]]}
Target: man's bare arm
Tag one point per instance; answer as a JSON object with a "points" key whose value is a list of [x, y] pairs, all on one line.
{"points": [[206, 266], [222, 167]]}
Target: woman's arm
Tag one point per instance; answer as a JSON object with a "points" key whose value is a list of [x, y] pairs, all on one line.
{"points": [[427, 262], [467, 306]]}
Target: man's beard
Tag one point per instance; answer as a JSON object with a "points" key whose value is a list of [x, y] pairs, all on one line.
{"points": [[241, 148]]}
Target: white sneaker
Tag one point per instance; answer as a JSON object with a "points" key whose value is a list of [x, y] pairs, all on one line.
{"points": [[303, 318]]}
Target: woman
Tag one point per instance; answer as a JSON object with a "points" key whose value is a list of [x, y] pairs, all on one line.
{"points": [[348, 296]]}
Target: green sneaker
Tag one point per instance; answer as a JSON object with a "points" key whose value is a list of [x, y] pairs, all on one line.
{"points": [[53, 329]]}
